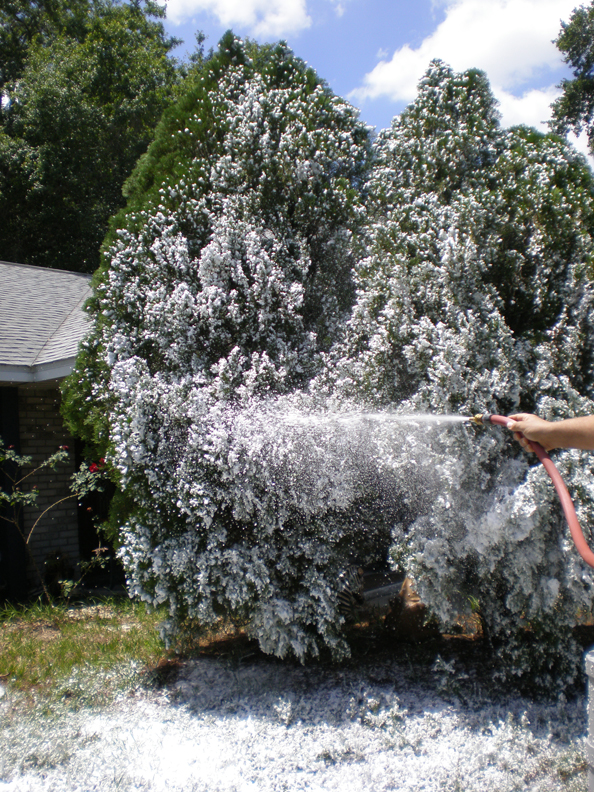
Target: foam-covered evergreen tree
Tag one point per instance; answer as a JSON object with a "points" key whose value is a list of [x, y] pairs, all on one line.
{"points": [[260, 284], [475, 295], [223, 282]]}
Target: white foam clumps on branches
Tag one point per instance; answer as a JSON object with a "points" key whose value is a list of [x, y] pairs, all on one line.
{"points": [[245, 297], [473, 293]]}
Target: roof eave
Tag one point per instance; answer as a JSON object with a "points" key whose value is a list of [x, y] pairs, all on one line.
{"points": [[57, 369]]}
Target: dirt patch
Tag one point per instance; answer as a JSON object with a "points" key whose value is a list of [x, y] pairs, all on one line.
{"points": [[42, 631]]}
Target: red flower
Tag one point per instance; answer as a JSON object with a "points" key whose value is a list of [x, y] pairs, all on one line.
{"points": [[93, 468], [63, 448]]}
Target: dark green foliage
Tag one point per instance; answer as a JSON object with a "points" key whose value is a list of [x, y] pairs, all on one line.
{"points": [[80, 109], [574, 109], [23, 22], [166, 158]]}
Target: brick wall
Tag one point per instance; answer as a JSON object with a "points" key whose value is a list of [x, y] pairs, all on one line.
{"points": [[41, 434]]}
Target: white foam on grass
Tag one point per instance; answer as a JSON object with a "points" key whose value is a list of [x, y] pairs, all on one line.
{"points": [[268, 727]]}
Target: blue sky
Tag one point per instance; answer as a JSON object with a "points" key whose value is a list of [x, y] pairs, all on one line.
{"points": [[373, 52]]}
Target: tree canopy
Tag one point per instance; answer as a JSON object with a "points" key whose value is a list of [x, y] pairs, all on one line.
{"points": [[574, 109], [273, 269], [474, 295], [24, 22], [84, 85]]}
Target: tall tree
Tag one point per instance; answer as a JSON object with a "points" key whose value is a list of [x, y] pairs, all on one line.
{"points": [[574, 109], [75, 119], [223, 282], [23, 22], [474, 295]]}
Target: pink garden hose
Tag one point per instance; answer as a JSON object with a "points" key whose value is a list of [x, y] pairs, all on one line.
{"points": [[568, 508]]}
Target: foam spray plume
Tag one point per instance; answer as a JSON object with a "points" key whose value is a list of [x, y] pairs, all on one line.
{"points": [[287, 458]]}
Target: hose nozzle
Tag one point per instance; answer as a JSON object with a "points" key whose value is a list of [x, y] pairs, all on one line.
{"points": [[480, 419]]}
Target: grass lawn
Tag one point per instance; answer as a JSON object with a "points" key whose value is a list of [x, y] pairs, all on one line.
{"points": [[41, 645], [91, 699]]}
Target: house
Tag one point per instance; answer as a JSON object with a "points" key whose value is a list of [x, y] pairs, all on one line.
{"points": [[41, 324]]}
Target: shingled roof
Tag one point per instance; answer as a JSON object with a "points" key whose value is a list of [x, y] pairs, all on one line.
{"points": [[41, 321]]}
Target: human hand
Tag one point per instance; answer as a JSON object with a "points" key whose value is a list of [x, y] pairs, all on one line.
{"points": [[526, 427]]}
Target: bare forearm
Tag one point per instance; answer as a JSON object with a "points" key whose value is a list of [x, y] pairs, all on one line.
{"points": [[570, 433]]}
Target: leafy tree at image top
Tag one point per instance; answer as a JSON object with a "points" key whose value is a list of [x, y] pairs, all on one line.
{"points": [[23, 22], [85, 87], [574, 109]]}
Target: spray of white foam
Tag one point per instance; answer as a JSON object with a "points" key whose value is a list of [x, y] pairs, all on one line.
{"points": [[365, 419], [333, 455]]}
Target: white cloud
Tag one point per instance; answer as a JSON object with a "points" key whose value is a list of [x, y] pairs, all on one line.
{"points": [[581, 144], [532, 107], [511, 40], [340, 6], [261, 17]]}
